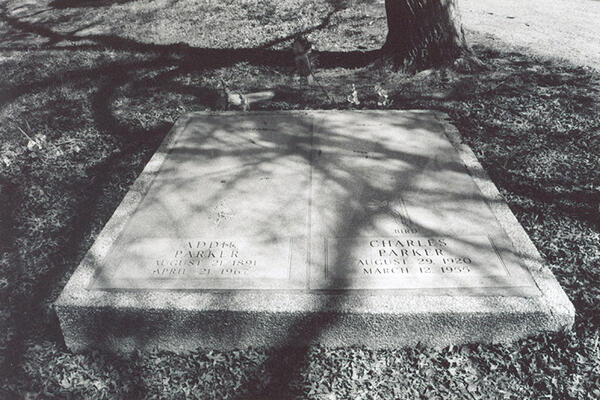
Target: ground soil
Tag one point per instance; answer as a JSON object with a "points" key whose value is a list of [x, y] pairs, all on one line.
{"points": [[563, 29]]}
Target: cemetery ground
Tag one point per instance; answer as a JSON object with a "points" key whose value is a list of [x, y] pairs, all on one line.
{"points": [[88, 91]]}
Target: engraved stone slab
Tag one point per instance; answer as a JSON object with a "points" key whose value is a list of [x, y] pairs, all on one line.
{"points": [[213, 215], [398, 209], [433, 264], [375, 228], [193, 263]]}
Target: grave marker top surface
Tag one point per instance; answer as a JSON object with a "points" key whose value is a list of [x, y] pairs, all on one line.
{"points": [[315, 201]]}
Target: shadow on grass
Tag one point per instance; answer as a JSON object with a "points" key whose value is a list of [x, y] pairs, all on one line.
{"points": [[85, 3], [159, 69]]}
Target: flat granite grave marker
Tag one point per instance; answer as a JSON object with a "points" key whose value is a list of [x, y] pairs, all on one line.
{"points": [[287, 228]]}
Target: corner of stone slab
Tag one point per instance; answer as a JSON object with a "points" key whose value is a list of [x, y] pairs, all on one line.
{"points": [[564, 315], [61, 302]]}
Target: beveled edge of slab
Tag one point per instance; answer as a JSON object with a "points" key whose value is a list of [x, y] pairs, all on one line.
{"points": [[552, 293], [553, 302]]}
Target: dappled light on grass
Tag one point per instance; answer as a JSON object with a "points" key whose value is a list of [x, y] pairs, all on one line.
{"points": [[209, 24], [114, 93]]}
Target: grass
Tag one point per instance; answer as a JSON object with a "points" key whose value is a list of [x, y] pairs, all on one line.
{"points": [[98, 85]]}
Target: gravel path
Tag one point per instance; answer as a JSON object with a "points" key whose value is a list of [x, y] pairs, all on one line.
{"points": [[568, 29]]}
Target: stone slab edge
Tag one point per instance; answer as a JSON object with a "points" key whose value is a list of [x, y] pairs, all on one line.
{"points": [[183, 320], [552, 293]]}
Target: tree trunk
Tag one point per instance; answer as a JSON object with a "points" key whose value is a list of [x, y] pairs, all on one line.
{"points": [[424, 33]]}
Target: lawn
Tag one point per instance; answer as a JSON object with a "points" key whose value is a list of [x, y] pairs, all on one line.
{"points": [[90, 87]]}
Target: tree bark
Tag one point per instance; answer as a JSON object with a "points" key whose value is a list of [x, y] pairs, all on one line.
{"points": [[424, 33]]}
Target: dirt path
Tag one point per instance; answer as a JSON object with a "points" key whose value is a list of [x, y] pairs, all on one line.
{"points": [[568, 29]]}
